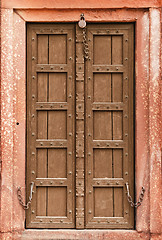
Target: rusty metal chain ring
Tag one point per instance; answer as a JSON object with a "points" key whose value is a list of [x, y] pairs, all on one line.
{"points": [[85, 44], [129, 198], [20, 198]]}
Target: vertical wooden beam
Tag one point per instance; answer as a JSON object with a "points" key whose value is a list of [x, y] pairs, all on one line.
{"points": [[79, 130]]}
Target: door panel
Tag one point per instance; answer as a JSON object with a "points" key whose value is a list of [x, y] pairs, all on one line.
{"points": [[80, 150], [51, 128], [109, 125]]}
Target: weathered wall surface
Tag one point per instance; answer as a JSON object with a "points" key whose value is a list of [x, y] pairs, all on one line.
{"points": [[146, 15]]}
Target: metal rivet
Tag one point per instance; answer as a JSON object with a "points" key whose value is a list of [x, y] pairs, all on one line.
{"points": [[89, 59], [32, 115], [61, 182], [33, 153], [98, 69], [41, 183], [108, 183], [117, 221], [42, 68], [51, 106], [89, 134], [70, 58], [126, 134], [51, 182], [89, 40], [116, 107], [89, 172], [126, 154], [117, 144], [70, 77], [97, 107], [69, 191], [126, 59], [70, 153], [41, 106], [108, 221], [79, 106], [107, 144], [108, 107], [70, 173], [70, 96], [33, 58], [126, 173], [89, 97], [80, 183], [98, 221], [108, 31], [89, 116], [69, 39], [126, 116], [117, 31], [107, 69], [126, 78], [117, 68], [89, 154], [33, 134], [51, 220], [33, 77], [33, 172], [33, 211], [80, 223], [51, 143], [51, 67], [41, 144], [126, 212], [70, 211], [89, 78], [98, 183], [40, 220], [90, 192], [80, 144], [90, 212], [33, 39], [61, 68], [117, 183], [126, 96], [61, 105], [33, 96], [126, 40], [98, 144], [61, 144], [70, 134], [61, 221], [80, 68]]}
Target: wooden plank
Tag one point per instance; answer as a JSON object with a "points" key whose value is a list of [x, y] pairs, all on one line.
{"points": [[102, 87], [42, 49], [57, 87]]}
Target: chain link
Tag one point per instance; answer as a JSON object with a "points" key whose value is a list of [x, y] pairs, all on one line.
{"points": [[19, 196], [85, 44], [137, 204]]}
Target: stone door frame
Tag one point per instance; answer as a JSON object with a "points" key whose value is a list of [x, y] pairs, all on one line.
{"points": [[147, 121]]}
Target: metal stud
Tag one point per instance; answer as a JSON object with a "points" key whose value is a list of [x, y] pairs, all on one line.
{"points": [[69, 191], [41, 106], [126, 40], [117, 68], [70, 96], [126, 116], [117, 183], [126, 134], [98, 69], [33, 172], [90, 192], [51, 182], [70, 134], [33, 39], [80, 184], [126, 154], [98, 144], [90, 212], [89, 154], [42, 68], [89, 172], [89, 78], [108, 221], [70, 153], [126, 59], [40, 220], [89, 97], [116, 107], [98, 221], [126, 96], [126, 173], [69, 115], [61, 105], [61, 68], [117, 144], [89, 116], [98, 183], [89, 134], [61, 182], [51, 220], [126, 212], [41, 144], [107, 69], [51, 106], [33, 77], [70, 211], [80, 223], [32, 115], [70, 173], [61, 144], [51, 67], [33, 134], [51, 143], [70, 58], [70, 77], [108, 107], [41, 183], [33, 96], [33, 212], [61, 221], [107, 144], [33, 153], [33, 58], [117, 31], [69, 39], [108, 183]]}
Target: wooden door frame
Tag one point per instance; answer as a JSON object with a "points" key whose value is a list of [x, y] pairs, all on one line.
{"points": [[144, 105]]}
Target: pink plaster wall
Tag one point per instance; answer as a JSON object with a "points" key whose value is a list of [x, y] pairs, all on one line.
{"points": [[13, 105]]}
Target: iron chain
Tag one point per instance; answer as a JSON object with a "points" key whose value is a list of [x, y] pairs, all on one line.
{"points": [[85, 44], [137, 204], [19, 196]]}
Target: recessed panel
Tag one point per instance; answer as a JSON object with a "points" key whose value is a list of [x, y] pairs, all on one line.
{"points": [[118, 163], [117, 49], [103, 202], [42, 87], [57, 163], [102, 127], [118, 202], [41, 198], [102, 163], [41, 125], [57, 87], [42, 49], [57, 124], [57, 49], [117, 87], [102, 49], [117, 125], [102, 87], [41, 163], [57, 201]]}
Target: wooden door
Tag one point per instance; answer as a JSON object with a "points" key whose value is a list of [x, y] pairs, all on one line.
{"points": [[80, 126]]}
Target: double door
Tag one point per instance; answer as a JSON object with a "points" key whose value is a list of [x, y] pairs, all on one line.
{"points": [[80, 150]]}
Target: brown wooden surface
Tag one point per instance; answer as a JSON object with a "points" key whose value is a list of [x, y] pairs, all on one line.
{"points": [[50, 125], [109, 125], [80, 129]]}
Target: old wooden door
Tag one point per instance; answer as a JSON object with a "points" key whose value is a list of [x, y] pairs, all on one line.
{"points": [[80, 128]]}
